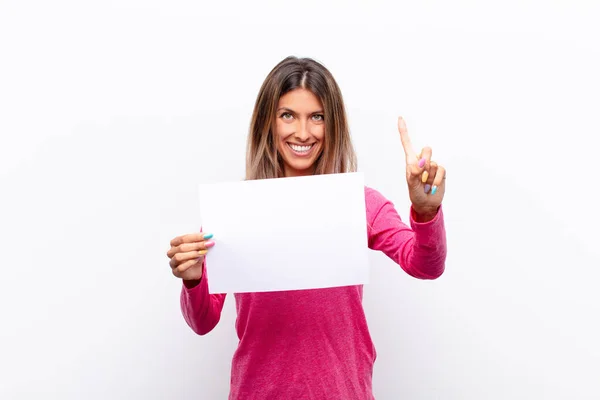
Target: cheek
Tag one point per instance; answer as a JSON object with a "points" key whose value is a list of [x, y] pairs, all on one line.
{"points": [[319, 132], [282, 130]]}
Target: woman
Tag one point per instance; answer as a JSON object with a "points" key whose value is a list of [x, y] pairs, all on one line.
{"points": [[312, 344]]}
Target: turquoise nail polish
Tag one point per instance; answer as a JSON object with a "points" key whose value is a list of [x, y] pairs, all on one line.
{"points": [[208, 236], [433, 190]]}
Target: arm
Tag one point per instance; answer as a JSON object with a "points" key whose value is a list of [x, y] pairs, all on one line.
{"points": [[419, 249], [201, 310]]}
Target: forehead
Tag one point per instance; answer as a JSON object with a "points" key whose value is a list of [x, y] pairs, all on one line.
{"points": [[300, 100]]}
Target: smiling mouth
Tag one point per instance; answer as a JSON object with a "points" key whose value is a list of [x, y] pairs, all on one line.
{"points": [[300, 149]]}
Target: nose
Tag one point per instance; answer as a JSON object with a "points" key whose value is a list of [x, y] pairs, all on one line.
{"points": [[302, 134]]}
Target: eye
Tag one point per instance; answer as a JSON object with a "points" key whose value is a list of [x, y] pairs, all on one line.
{"points": [[286, 115], [318, 117]]}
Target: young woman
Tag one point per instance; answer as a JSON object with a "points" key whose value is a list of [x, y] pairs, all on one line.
{"points": [[312, 344]]}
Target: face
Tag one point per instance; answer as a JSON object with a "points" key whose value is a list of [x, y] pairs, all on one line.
{"points": [[300, 131]]}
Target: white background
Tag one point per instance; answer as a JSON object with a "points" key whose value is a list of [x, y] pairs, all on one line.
{"points": [[111, 113]]}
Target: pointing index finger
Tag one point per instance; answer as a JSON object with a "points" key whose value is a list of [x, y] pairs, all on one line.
{"points": [[411, 156]]}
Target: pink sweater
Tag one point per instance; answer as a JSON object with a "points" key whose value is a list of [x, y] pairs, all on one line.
{"points": [[315, 344]]}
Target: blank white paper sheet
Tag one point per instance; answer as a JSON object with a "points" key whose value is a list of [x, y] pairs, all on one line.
{"points": [[286, 233]]}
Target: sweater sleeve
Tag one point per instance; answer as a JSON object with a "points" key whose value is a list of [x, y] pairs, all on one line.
{"points": [[201, 310], [420, 249]]}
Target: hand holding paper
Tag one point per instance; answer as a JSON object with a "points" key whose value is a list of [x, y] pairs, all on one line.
{"points": [[187, 255]]}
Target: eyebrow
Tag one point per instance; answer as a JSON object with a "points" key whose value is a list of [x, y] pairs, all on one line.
{"points": [[294, 112]]}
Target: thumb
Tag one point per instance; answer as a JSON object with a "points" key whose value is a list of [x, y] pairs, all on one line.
{"points": [[414, 175], [415, 170]]}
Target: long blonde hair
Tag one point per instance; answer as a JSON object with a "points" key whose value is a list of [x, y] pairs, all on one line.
{"points": [[262, 158]]}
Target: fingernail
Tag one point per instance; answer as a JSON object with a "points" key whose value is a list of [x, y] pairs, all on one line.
{"points": [[427, 187], [203, 252], [209, 244], [208, 236], [424, 176], [421, 163], [434, 189]]}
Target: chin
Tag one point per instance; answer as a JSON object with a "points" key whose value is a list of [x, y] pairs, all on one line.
{"points": [[305, 169]]}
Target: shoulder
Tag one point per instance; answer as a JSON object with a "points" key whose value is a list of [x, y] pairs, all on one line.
{"points": [[375, 202], [374, 198], [381, 213], [373, 194]]}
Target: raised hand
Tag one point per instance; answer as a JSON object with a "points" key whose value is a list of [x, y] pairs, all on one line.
{"points": [[187, 255], [426, 179]]}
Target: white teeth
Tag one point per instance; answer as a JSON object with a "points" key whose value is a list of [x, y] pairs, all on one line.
{"points": [[300, 149]]}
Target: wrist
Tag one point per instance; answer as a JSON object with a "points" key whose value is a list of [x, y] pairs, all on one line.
{"points": [[424, 214], [191, 283]]}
